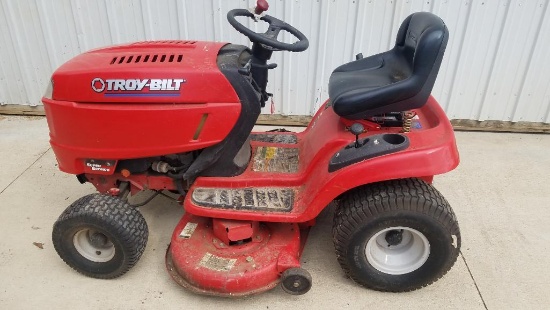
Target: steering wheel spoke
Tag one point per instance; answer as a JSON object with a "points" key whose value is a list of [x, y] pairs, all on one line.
{"points": [[273, 32]]}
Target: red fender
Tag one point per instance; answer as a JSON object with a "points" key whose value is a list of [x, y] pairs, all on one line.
{"points": [[432, 151]]}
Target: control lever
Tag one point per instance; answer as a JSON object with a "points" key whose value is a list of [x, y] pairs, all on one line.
{"points": [[245, 70], [267, 66], [261, 6], [357, 129]]}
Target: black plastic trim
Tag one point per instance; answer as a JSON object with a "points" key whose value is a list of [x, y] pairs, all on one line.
{"points": [[373, 146], [81, 178], [218, 160]]}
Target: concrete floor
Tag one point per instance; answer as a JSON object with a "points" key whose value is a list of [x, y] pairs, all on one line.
{"points": [[500, 193]]}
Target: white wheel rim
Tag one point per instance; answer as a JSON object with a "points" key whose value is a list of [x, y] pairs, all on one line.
{"points": [[408, 255], [98, 252]]}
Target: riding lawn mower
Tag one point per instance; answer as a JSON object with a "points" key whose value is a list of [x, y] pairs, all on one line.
{"points": [[178, 116]]}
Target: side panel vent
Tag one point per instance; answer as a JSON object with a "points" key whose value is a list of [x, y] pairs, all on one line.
{"points": [[153, 58]]}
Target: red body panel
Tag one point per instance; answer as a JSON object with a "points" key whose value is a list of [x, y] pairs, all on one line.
{"points": [[121, 131], [432, 151], [204, 83], [144, 123]]}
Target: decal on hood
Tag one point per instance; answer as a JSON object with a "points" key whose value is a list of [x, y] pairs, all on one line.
{"points": [[138, 87]]}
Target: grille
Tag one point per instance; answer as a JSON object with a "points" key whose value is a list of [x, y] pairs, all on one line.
{"points": [[152, 58], [166, 42]]}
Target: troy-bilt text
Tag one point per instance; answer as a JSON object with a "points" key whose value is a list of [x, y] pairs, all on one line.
{"points": [[100, 85]]}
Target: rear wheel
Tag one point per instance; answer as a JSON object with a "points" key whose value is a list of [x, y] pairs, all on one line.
{"points": [[100, 236], [395, 236]]}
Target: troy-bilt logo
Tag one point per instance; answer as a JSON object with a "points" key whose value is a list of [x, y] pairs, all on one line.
{"points": [[138, 87]]}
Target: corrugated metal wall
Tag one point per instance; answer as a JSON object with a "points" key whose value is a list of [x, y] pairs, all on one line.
{"points": [[497, 65]]}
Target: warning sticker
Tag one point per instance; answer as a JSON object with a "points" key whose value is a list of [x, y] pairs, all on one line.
{"points": [[259, 198], [275, 138], [188, 230], [217, 263], [276, 159]]}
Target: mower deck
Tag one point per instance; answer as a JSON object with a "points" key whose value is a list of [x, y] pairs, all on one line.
{"points": [[200, 260]]}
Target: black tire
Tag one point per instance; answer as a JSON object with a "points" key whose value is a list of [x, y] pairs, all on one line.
{"points": [[296, 281], [101, 225], [367, 211]]}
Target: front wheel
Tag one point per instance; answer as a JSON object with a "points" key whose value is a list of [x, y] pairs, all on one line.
{"points": [[396, 236], [100, 236]]}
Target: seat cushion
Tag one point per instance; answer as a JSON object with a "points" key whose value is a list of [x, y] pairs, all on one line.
{"points": [[371, 82]]}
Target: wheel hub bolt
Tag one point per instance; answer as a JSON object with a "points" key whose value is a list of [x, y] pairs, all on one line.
{"points": [[394, 237]]}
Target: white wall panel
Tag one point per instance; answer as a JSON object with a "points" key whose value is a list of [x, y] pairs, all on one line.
{"points": [[497, 64]]}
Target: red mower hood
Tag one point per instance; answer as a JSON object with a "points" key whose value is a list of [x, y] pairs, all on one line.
{"points": [[152, 71]]}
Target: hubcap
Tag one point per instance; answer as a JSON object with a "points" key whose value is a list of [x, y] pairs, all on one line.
{"points": [[94, 245], [394, 237], [397, 250]]}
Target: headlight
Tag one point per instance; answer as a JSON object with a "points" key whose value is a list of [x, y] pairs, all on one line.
{"points": [[48, 94]]}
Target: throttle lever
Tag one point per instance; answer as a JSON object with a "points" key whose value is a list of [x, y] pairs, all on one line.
{"points": [[269, 66], [245, 70]]}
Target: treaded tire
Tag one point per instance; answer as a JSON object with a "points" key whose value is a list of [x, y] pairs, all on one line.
{"points": [[366, 211], [123, 226]]}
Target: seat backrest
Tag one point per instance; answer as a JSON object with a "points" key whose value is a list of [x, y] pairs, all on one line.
{"points": [[422, 39]]}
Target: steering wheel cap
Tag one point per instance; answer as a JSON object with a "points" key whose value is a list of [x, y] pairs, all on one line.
{"points": [[269, 38]]}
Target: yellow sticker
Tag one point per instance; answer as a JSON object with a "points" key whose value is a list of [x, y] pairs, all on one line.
{"points": [[270, 152]]}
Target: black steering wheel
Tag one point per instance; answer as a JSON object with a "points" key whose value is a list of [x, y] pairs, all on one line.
{"points": [[269, 38]]}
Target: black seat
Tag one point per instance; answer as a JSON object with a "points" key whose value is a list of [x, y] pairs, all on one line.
{"points": [[398, 80]]}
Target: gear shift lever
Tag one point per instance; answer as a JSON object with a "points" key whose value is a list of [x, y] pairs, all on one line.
{"points": [[357, 129]]}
